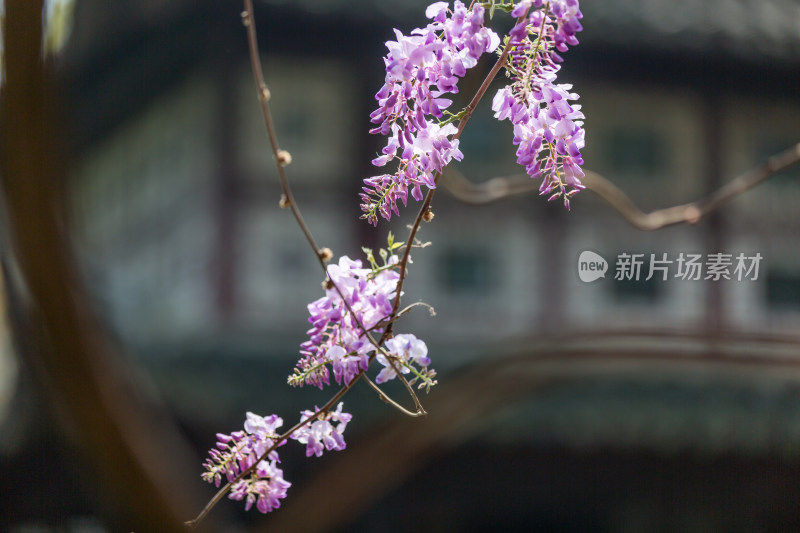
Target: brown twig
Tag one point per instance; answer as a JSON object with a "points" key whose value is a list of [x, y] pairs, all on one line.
{"points": [[499, 188], [382, 395], [282, 158]]}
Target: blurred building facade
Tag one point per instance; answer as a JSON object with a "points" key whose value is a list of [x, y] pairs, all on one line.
{"points": [[175, 194]]}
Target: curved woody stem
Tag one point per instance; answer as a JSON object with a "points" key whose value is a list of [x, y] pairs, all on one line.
{"points": [[501, 187], [282, 158]]}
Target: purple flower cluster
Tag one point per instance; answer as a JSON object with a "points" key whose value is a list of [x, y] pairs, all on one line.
{"points": [[320, 434], [547, 128], [420, 69], [239, 451], [336, 338], [405, 350]]}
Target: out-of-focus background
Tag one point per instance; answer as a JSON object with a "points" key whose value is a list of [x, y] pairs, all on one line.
{"points": [[610, 406]]}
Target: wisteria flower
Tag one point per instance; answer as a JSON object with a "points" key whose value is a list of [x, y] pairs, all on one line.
{"points": [[405, 351], [238, 452], [336, 337], [548, 129], [420, 69], [321, 434], [266, 487]]}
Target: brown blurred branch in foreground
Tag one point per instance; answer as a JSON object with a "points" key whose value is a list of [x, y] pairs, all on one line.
{"points": [[138, 462], [499, 188]]}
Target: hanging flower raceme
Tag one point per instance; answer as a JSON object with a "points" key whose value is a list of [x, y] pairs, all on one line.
{"points": [[420, 69], [337, 340], [548, 129], [264, 485], [239, 451]]}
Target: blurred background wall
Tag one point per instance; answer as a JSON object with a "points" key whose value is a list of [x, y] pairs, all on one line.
{"points": [[620, 405]]}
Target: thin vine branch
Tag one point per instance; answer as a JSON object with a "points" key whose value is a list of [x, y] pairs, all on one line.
{"points": [[282, 158], [385, 397], [499, 188]]}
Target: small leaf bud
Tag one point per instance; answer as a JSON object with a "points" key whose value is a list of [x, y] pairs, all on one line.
{"points": [[284, 158]]}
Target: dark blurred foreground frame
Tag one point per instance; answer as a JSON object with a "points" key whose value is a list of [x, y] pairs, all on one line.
{"points": [[135, 463]]}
